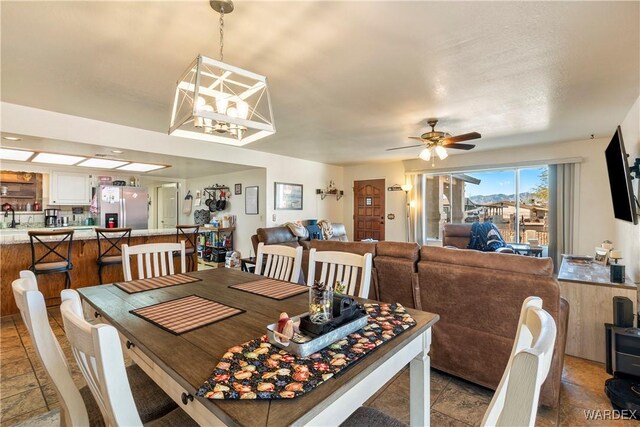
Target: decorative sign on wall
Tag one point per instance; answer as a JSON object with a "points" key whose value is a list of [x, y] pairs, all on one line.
{"points": [[288, 196], [251, 200]]}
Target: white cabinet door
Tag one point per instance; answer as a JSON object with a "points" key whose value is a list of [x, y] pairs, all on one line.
{"points": [[68, 188]]}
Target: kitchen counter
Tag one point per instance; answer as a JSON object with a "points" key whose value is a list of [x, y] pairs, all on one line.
{"points": [[15, 255], [81, 232]]}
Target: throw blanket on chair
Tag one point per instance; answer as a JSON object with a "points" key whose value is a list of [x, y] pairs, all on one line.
{"points": [[327, 229], [485, 237]]}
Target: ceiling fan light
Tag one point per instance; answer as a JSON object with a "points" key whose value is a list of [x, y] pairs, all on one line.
{"points": [[425, 154], [441, 152]]}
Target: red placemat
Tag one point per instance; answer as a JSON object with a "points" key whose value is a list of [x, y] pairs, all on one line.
{"points": [[271, 288], [186, 314], [259, 370], [142, 285]]}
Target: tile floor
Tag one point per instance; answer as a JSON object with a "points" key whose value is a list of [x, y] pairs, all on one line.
{"points": [[27, 399]]}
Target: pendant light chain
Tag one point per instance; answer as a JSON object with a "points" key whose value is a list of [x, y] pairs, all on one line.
{"points": [[222, 35]]}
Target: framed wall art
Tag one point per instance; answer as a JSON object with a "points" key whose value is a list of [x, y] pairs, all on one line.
{"points": [[251, 200], [238, 189], [288, 196]]}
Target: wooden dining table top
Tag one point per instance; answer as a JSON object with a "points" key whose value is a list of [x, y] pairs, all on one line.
{"points": [[191, 357]]}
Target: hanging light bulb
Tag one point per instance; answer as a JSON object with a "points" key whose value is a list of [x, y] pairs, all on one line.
{"points": [[221, 105], [199, 121], [243, 109], [425, 154], [208, 123], [441, 152]]}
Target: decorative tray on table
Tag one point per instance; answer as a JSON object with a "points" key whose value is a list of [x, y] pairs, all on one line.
{"points": [[313, 337]]}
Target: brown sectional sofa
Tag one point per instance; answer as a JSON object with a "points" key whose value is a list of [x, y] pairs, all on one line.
{"points": [[477, 295]]}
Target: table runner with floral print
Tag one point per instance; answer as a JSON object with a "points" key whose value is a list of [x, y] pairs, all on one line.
{"points": [[260, 370]]}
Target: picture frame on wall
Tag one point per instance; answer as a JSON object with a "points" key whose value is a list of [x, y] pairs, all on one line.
{"points": [[288, 196], [238, 189], [251, 200]]}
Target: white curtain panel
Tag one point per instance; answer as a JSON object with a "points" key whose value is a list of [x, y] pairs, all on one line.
{"points": [[417, 212], [563, 191]]}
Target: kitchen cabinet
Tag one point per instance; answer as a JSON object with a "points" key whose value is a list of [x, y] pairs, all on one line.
{"points": [[69, 188]]}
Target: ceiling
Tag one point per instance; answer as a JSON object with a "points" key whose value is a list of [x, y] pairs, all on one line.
{"points": [[347, 79], [180, 167]]}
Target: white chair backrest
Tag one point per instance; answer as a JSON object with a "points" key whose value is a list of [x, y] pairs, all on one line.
{"points": [[343, 267], [154, 259], [97, 350], [282, 262], [515, 402], [33, 310]]}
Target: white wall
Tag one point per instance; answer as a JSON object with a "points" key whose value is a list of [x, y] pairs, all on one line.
{"points": [[626, 235], [395, 201], [595, 212], [246, 225]]}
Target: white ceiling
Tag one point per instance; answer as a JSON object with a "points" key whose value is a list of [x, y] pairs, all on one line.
{"points": [[348, 79], [180, 167]]}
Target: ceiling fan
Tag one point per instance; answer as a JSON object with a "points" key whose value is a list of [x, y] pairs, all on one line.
{"points": [[436, 143]]}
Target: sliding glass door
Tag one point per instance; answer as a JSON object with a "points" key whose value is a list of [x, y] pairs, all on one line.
{"points": [[515, 199]]}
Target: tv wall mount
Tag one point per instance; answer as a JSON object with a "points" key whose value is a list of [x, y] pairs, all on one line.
{"points": [[635, 169]]}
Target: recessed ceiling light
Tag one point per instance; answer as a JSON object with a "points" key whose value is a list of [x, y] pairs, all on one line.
{"points": [[57, 159], [9, 154], [117, 151], [101, 163], [12, 138], [140, 167]]}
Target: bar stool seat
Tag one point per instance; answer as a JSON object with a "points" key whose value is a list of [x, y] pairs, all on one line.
{"points": [[49, 266], [49, 255], [111, 259], [112, 239]]}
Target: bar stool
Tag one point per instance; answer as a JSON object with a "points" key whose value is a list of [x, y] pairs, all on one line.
{"points": [[49, 260], [190, 234], [113, 238]]}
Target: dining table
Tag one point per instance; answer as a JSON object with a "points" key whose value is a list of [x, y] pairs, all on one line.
{"points": [[180, 364]]}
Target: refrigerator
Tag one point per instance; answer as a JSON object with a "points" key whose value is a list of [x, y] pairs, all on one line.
{"points": [[123, 206]]}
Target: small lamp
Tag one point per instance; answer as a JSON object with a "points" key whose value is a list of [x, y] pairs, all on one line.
{"points": [[616, 271], [615, 255]]}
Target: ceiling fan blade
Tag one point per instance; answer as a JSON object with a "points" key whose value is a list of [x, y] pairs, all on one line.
{"points": [[415, 137], [402, 148], [460, 146], [460, 138]]}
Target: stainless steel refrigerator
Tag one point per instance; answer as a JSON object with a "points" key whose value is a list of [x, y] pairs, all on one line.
{"points": [[122, 206]]}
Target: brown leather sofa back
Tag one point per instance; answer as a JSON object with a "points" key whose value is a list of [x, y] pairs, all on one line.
{"points": [[478, 297], [395, 262], [457, 235]]}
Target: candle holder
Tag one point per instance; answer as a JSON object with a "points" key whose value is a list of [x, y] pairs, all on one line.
{"points": [[320, 303]]}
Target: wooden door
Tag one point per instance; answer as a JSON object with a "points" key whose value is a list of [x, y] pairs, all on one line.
{"points": [[368, 210]]}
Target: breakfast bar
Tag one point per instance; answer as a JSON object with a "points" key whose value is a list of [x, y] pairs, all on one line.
{"points": [[16, 256]]}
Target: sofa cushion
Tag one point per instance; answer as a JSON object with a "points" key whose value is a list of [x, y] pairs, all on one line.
{"points": [[492, 261], [395, 267], [339, 232], [277, 236]]}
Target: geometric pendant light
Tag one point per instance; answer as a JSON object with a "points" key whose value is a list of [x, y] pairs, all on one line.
{"points": [[219, 102]]}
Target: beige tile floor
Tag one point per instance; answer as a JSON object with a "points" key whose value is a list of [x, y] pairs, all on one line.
{"points": [[27, 399]]}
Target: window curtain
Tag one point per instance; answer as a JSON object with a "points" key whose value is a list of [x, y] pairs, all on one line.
{"points": [[562, 210], [417, 212]]}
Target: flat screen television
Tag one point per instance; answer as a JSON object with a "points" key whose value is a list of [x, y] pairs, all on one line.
{"points": [[624, 203]]}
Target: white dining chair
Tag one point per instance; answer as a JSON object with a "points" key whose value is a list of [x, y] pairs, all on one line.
{"points": [[97, 351], [78, 407], [280, 262], [515, 402], [343, 267], [33, 311], [153, 259]]}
